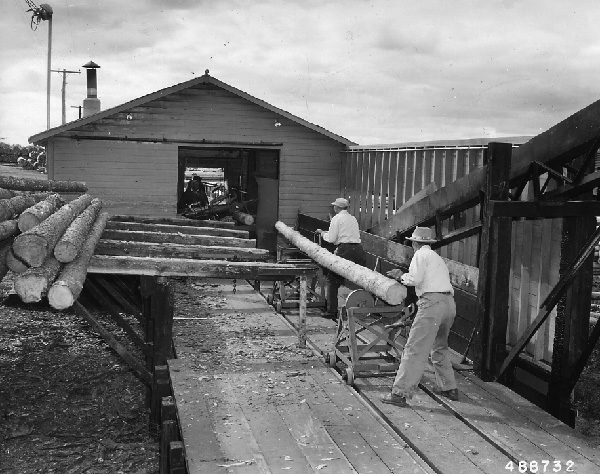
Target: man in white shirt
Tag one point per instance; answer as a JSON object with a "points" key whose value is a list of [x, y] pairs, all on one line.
{"points": [[345, 235], [429, 331]]}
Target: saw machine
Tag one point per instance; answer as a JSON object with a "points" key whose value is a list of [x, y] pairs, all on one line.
{"points": [[367, 329]]}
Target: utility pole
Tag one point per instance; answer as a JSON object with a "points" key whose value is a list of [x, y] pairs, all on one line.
{"points": [[64, 72], [43, 13], [77, 107]]}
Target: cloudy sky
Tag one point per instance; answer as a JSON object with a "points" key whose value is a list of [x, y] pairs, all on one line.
{"points": [[372, 71]]}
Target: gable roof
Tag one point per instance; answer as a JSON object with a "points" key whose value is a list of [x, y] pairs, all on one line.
{"points": [[205, 79]]}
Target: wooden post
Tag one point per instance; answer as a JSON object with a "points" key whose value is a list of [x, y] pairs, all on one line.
{"points": [[169, 431], [302, 313], [489, 343], [161, 387], [571, 327], [147, 285], [177, 458], [162, 307]]}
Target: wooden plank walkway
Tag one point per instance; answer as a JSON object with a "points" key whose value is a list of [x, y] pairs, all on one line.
{"points": [[249, 400]]}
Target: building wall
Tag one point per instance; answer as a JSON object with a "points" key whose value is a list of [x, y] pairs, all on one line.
{"points": [[310, 162], [129, 177]]}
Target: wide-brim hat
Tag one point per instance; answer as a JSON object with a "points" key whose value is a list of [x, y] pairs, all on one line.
{"points": [[340, 202], [423, 235]]}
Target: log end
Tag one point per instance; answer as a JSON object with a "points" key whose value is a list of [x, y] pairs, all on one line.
{"points": [[396, 294], [60, 296], [30, 287], [31, 249], [27, 221], [65, 252]]}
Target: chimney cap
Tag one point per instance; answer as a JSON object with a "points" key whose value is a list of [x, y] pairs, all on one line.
{"points": [[91, 65]]}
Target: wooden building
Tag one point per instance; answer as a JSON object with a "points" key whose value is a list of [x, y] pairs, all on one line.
{"points": [[134, 156]]}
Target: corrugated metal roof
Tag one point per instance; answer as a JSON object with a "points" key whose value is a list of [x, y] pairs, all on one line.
{"points": [[43, 136]]}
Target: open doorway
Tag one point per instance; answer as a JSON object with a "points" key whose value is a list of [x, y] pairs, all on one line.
{"points": [[233, 179]]}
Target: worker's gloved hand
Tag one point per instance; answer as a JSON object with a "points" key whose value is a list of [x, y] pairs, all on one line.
{"points": [[395, 274]]}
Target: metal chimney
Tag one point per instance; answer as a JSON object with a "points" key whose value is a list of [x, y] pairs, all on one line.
{"points": [[91, 104]]}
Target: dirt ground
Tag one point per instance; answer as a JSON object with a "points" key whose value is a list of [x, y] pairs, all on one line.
{"points": [[68, 404]]}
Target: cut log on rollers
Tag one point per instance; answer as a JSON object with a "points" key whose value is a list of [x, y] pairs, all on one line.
{"points": [[67, 287], [185, 239], [177, 229], [32, 284], [36, 244], [12, 207], [242, 217], [71, 241], [167, 250], [30, 184], [32, 216], [8, 229], [387, 289]]}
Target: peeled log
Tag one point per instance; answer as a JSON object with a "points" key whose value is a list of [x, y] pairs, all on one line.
{"points": [[32, 284], [36, 244], [71, 241], [160, 237], [15, 264], [167, 250], [8, 228], [6, 193], [30, 184], [12, 207], [242, 217], [67, 287], [177, 229], [381, 286], [40, 211]]}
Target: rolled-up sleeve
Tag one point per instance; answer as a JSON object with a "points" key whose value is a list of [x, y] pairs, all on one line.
{"points": [[332, 234], [416, 271]]}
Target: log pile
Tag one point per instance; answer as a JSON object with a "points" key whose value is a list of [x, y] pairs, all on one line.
{"points": [[45, 242]]}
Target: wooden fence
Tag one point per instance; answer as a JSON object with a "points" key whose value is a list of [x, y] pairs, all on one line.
{"points": [[380, 180]]}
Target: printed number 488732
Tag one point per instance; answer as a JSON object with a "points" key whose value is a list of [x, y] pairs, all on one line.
{"points": [[540, 466]]}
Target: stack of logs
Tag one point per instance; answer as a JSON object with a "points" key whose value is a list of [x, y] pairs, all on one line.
{"points": [[46, 242]]}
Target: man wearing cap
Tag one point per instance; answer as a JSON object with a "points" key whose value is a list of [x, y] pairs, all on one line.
{"points": [[428, 334], [345, 235]]}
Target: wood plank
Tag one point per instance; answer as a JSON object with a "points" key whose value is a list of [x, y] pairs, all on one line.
{"points": [[176, 238], [370, 188], [393, 185], [170, 229], [431, 446], [385, 200], [399, 458], [524, 414], [168, 250], [200, 268], [544, 209]]}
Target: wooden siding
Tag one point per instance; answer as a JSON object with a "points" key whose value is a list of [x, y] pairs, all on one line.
{"points": [[310, 162], [405, 171]]}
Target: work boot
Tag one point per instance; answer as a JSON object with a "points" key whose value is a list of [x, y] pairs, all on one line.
{"points": [[393, 399], [451, 394]]}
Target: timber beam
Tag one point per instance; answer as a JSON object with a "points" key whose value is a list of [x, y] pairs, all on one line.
{"points": [[177, 238], [151, 266], [180, 221], [173, 228], [543, 209]]}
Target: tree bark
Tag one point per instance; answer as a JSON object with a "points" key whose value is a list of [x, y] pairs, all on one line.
{"points": [[172, 221], [385, 288], [12, 207], [30, 184], [167, 250], [32, 284], [197, 268], [67, 287], [14, 263], [32, 216], [6, 193], [242, 217], [36, 244], [177, 229], [8, 229], [159, 237], [71, 241], [5, 247]]}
